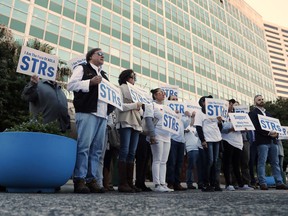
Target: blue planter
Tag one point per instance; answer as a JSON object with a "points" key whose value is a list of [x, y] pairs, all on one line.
{"points": [[270, 181], [35, 162]]}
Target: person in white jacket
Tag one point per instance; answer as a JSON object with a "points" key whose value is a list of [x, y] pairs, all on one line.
{"points": [[192, 144], [177, 149]]}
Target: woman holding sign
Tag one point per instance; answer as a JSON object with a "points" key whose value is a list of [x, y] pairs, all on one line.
{"points": [[159, 139], [129, 125], [233, 145]]}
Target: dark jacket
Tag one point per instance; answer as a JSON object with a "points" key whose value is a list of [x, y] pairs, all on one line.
{"points": [[48, 100], [261, 136], [86, 102]]}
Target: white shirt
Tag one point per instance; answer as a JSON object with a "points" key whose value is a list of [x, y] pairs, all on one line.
{"points": [[76, 84], [209, 126], [156, 111], [192, 142], [234, 138], [185, 121]]}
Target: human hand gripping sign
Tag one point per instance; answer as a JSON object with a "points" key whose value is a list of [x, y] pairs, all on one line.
{"points": [[95, 80]]}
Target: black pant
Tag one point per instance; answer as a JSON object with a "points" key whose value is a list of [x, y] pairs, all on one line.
{"points": [[231, 155], [253, 161], [143, 154]]}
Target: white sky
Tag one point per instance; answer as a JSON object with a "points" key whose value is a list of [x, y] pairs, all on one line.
{"points": [[274, 11]]}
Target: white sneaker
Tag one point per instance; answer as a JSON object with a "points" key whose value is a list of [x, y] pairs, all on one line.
{"points": [[159, 188], [246, 187], [166, 188], [230, 188]]}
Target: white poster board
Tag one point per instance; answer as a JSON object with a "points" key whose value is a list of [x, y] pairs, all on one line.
{"points": [[111, 94], [170, 121], [269, 123], [192, 106], [34, 62], [216, 107], [176, 105], [138, 95], [72, 63], [241, 109], [284, 134], [241, 121], [170, 90]]}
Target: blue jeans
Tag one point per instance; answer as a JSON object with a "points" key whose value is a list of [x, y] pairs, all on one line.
{"points": [[209, 157], [175, 161], [192, 164], [90, 147], [128, 144], [269, 151], [253, 161]]}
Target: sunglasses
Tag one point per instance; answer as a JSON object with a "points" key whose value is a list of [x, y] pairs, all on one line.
{"points": [[99, 53], [133, 77]]}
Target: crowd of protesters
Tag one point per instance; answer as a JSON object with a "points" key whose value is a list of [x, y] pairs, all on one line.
{"points": [[106, 134]]}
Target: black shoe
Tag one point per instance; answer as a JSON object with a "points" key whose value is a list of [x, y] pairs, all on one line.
{"points": [[218, 188], [191, 187], [200, 187], [281, 187], [2, 188], [146, 189], [178, 187], [208, 189], [263, 187], [57, 189]]}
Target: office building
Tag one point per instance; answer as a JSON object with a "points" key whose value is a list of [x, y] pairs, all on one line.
{"points": [[205, 47], [277, 43]]}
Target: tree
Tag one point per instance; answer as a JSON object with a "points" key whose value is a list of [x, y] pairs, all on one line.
{"points": [[278, 109], [12, 109]]}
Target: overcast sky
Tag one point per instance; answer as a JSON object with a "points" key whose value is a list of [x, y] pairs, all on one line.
{"points": [[274, 11]]}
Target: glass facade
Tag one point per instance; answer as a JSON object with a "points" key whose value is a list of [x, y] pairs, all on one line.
{"points": [[277, 41], [203, 46]]}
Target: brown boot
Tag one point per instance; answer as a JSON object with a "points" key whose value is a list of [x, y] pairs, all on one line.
{"points": [[123, 186], [94, 187], [106, 180], [80, 186], [130, 171]]}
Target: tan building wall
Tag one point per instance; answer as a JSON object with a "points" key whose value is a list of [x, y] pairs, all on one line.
{"points": [[277, 44]]}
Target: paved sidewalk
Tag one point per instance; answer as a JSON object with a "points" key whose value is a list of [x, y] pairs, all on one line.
{"points": [[190, 202]]}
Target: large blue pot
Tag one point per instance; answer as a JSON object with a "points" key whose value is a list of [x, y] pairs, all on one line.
{"points": [[35, 162]]}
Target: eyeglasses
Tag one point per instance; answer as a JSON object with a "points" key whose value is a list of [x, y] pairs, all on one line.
{"points": [[99, 53], [133, 77]]}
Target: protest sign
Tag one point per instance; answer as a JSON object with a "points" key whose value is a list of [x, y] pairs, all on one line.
{"points": [[138, 95], [269, 123], [284, 134], [111, 94], [241, 121], [170, 90], [216, 107], [72, 63], [241, 109], [192, 106], [171, 121], [34, 62], [175, 105]]}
